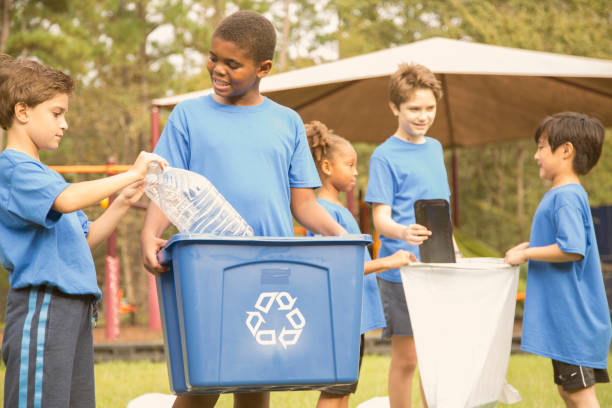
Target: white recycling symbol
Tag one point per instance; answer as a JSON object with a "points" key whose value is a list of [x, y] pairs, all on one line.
{"points": [[269, 337]]}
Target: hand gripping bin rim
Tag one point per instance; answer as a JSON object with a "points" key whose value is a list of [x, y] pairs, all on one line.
{"points": [[339, 259]]}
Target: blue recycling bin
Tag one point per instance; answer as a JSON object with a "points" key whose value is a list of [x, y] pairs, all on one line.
{"points": [[243, 314]]}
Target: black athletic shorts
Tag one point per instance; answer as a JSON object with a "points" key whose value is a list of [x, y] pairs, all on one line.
{"points": [[572, 377]]}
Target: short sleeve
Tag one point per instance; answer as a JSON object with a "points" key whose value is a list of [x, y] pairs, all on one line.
{"points": [[33, 191], [570, 232], [302, 170], [380, 183], [85, 223], [173, 144]]}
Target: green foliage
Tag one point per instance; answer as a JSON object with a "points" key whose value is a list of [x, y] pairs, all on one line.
{"points": [[577, 27], [598, 183]]}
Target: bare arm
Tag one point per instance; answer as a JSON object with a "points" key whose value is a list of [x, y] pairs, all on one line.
{"points": [[550, 253], [414, 234], [80, 195], [150, 237], [308, 212], [399, 258], [103, 226]]}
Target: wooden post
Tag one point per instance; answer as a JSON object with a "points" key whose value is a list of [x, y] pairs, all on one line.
{"points": [[154, 316], [350, 201]]}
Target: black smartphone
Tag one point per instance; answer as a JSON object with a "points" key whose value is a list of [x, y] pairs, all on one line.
{"points": [[435, 216]]}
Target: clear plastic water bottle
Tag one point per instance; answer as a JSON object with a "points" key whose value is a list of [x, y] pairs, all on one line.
{"points": [[192, 203]]}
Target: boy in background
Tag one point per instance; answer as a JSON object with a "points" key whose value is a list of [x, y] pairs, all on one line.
{"points": [[46, 243], [407, 167], [253, 150], [566, 315]]}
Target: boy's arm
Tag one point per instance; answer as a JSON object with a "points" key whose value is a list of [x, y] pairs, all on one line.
{"points": [[414, 234], [399, 258], [150, 237], [308, 212], [103, 226], [550, 253], [80, 195]]}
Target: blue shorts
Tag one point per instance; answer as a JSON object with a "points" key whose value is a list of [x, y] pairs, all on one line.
{"points": [[48, 349]]}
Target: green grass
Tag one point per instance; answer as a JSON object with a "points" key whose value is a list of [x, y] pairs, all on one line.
{"points": [[472, 247], [119, 382]]}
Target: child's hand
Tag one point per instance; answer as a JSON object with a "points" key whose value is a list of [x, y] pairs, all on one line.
{"points": [[415, 234], [401, 258], [132, 193], [150, 247], [516, 255], [143, 160]]}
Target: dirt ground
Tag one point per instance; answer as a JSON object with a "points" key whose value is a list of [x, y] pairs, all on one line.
{"points": [[142, 334], [129, 334]]}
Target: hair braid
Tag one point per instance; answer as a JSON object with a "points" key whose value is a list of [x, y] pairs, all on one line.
{"points": [[318, 140]]}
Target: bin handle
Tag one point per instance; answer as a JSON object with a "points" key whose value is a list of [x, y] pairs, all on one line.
{"points": [[164, 257]]}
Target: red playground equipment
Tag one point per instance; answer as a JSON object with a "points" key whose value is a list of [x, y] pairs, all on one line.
{"points": [[112, 294]]}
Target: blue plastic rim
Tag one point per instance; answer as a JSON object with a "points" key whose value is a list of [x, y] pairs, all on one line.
{"points": [[261, 313]]}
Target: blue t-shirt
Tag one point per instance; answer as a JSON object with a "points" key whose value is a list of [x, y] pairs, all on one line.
{"points": [[400, 174], [38, 245], [566, 315], [372, 314], [252, 154]]}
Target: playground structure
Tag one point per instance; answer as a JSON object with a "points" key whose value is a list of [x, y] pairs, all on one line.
{"points": [[112, 294]]}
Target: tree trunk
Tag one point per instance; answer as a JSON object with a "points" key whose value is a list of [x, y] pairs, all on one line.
{"points": [[500, 176], [126, 264], [4, 34], [219, 10], [6, 24], [480, 174], [282, 62]]}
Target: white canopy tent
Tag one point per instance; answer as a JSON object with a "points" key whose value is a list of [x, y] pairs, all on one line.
{"points": [[491, 93]]}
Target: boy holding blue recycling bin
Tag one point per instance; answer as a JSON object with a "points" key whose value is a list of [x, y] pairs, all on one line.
{"points": [[46, 243], [566, 315], [253, 150]]}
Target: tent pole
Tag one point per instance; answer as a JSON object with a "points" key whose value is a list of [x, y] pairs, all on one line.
{"points": [[451, 142], [455, 188]]}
